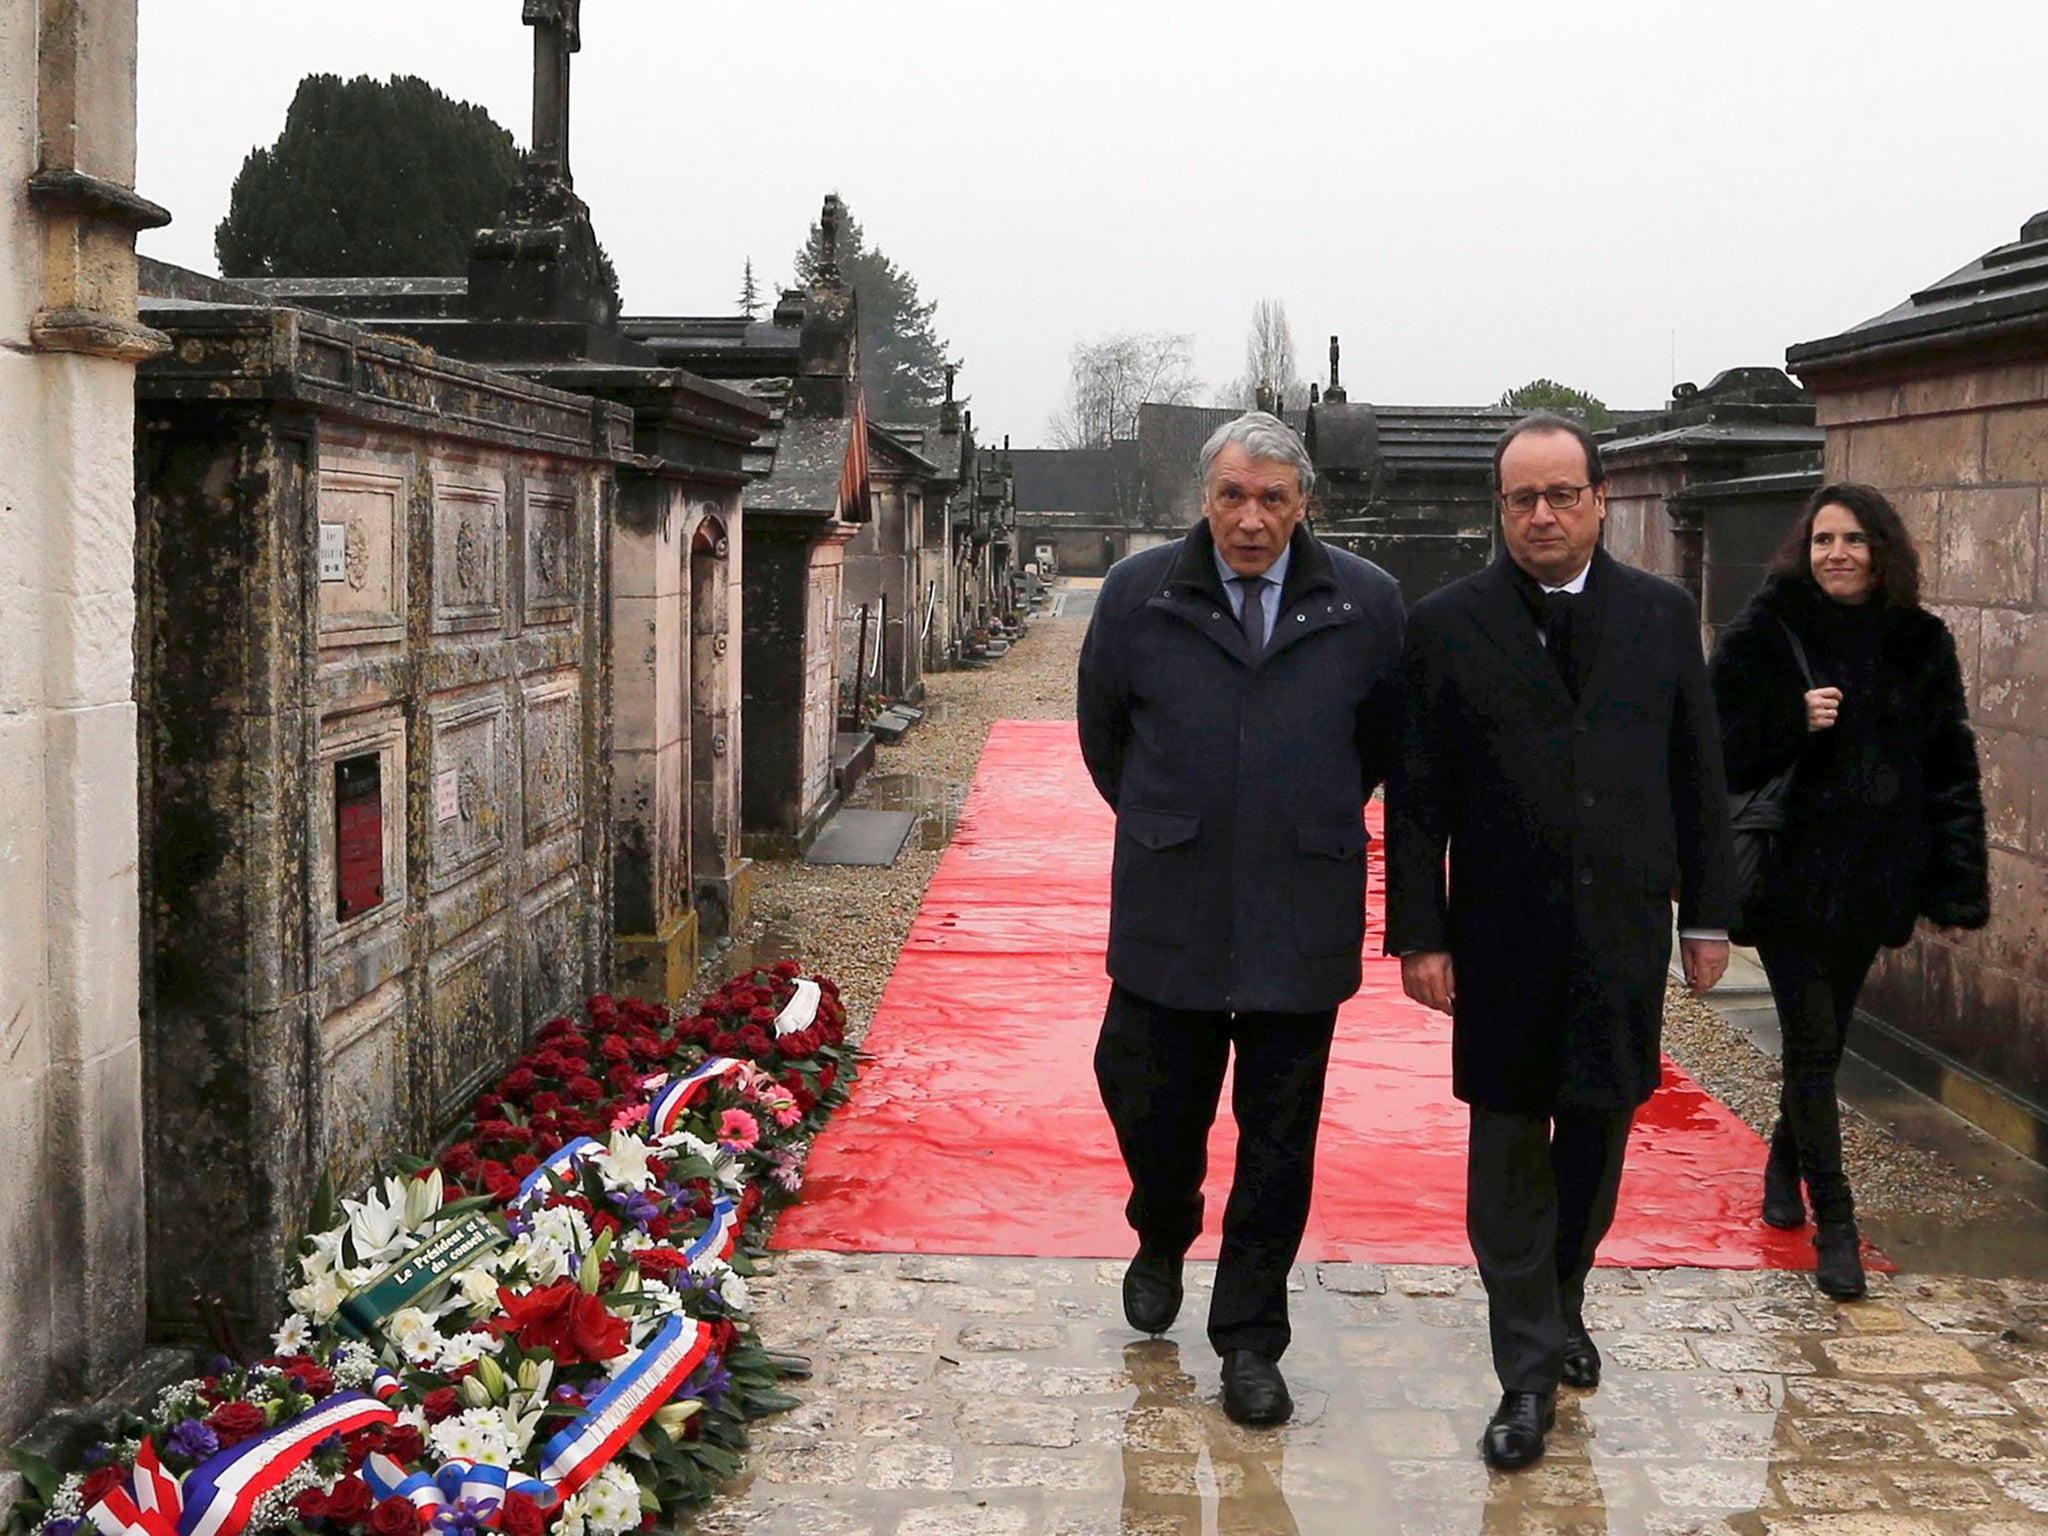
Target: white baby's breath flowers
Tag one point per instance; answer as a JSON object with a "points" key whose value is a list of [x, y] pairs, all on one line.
{"points": [[354, 1365]]}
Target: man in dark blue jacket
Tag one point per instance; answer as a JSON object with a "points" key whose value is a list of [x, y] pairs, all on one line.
{"points": [[1235, 710]]}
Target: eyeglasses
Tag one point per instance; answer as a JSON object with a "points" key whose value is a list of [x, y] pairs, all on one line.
{"points": [[1559, 498]]}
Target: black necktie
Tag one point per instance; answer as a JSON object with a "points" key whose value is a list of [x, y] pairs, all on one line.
{"points": [[1251, 615], [1558, 611]]}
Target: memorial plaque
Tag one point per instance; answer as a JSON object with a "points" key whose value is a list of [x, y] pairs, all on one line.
{"points": [[358, 835], [334, 551]]}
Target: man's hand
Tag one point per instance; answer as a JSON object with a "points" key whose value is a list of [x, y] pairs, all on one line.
{"points": [[1426, 977], [1705, 961]]}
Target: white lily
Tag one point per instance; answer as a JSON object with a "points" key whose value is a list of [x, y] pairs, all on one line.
{"points": [[624, 1161]]}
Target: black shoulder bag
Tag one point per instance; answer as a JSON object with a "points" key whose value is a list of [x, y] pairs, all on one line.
{"points": [[1757, 818]]}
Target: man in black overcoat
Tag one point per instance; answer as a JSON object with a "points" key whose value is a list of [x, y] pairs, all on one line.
{"points": [[1558, 741], [1235, 711]]}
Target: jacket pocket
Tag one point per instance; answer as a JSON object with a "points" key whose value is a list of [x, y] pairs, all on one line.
{"points": [[1154, 875], [1329, 888]]}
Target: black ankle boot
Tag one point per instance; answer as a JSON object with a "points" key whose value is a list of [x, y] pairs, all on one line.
{"points": [[1784, 1206], [1838, 1263]]}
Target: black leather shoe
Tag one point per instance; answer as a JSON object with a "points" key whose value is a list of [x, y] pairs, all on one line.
{"points": [[1152, 1292], [1838, 1261], [1784, 1205], [1514, 1435], [1581, 1360], [1254, 1391]]}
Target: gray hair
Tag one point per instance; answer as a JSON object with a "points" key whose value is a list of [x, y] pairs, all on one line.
{"points": [[1261, 435]]}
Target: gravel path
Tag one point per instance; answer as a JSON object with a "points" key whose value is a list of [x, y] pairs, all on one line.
{"points": [[849, 923]]}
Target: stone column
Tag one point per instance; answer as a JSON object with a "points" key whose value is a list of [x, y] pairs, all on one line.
{"points": [[71, 1210]]}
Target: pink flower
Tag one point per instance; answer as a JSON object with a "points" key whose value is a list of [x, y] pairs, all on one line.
{"points": [[738, 1129], [781, 1104], [628, 1114]]}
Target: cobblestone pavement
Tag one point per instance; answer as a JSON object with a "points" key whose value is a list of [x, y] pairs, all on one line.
{"points": [[957, 1397]]}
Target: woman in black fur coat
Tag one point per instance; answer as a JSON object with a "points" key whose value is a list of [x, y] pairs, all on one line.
{"points": [[1884, 824]]}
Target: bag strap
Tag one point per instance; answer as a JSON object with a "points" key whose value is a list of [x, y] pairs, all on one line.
{"points": [[1799, 655]]}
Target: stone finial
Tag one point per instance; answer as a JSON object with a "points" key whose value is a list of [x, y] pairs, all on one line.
{"points": [[557, 33], [828, 240], [1315, 393], [1335, 393], [949, 408]]}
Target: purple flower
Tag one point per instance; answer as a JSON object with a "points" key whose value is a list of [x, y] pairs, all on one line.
{"points": [[710, 1383], [635, 1206], [192, 1440], [60, 1527], [97, 1455], [464, 1517]]}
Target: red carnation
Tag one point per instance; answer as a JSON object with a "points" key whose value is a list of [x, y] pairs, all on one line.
{"points": [[555, 1027], [439, 1404], [547, 1102], [517, 1083], [102, 1482], [394, 1517], [613, 1048], [563, 1320], [316, 1381], [309, 1503], [584, 1088], [404, 1444], [660, 1263], [232, 1423], [788, 970], [520, 1516], [524, 1164], [350, 1501], [722, 1043], [487, 1104]]}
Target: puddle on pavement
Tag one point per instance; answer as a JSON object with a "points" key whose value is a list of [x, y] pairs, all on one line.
{"points": [[935, 802]]}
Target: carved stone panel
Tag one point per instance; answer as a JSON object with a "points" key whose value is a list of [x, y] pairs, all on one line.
{"points": [[472, 1024], [551, 553], [554, 950], [364, 1115], [466, 785], [469, 557], [361, 554], [551, 757]]}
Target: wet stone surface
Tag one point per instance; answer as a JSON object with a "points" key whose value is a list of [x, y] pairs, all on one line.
{"points": [[980, 1396]]}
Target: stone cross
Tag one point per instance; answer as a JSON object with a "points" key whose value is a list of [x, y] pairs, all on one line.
{"points": [[828, 241], [557, 33]]}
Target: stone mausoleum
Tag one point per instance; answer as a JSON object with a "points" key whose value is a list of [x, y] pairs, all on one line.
{"points": [[1942, 403]]}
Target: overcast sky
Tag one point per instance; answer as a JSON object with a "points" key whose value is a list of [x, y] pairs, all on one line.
{"points": [[1472, 194]]}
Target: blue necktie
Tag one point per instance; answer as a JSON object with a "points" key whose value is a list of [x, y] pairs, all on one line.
{"points": [[1251, 616]]}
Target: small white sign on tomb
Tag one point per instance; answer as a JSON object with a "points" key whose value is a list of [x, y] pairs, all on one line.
{"points": [[448, 794], [334, 552]]}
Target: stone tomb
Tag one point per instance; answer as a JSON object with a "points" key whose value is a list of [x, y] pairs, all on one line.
{"points": [[375, 659]]}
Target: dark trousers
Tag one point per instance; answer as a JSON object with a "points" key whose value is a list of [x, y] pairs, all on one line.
{"points": [[1161, 1074], [1539, 1196], [1815, 984]]}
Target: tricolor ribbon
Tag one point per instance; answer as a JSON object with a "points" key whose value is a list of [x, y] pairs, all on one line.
{"points": [[720, 1237], [384, 1386], [148, 1506], [669, 1104], [802, 1008], [576, 1454], [560, 1163], [459, 1480], [221, 1492]]}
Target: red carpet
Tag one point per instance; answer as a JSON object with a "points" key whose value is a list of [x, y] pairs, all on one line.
{"points": [[976, 1128]]}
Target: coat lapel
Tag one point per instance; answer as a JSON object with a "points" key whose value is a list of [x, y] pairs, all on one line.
{"points": [[1499, 612], [1620, 613]]}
